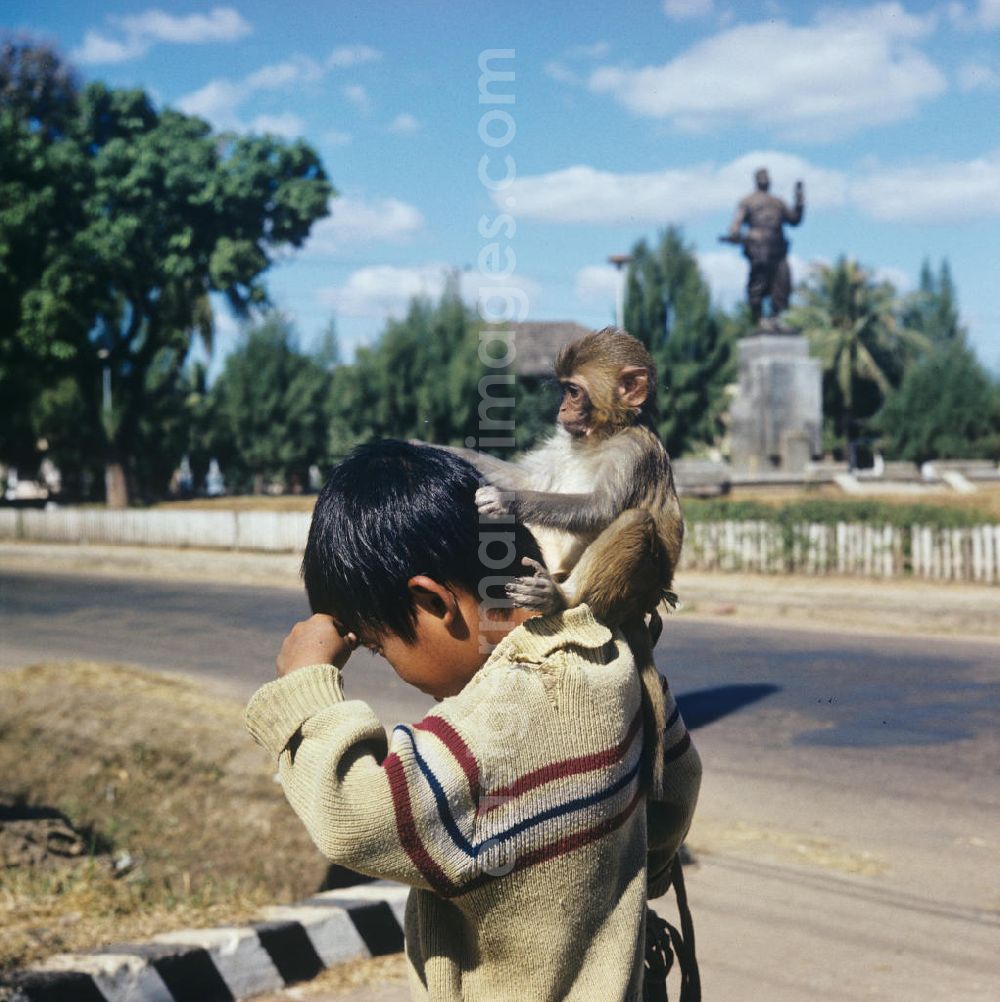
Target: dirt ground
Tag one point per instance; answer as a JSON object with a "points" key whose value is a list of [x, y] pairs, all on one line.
{"points": [[161, 779]]}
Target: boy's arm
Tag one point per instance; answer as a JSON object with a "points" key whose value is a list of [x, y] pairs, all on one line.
{"points": [[366, 806]]}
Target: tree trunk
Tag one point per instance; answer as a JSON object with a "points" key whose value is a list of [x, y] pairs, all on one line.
{"points": [[115, 485]]}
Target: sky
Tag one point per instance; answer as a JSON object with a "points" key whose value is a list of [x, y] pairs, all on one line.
{"points": [[601, 124]]}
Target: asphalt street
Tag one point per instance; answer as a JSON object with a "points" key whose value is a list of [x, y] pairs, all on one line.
{"points": [[849, 817]]}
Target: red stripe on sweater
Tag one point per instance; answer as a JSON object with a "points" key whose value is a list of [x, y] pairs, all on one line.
{"points": [[409, 837], [452, 740], [567, 767], [568, 843]]}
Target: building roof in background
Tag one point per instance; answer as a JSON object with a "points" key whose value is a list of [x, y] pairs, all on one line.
{"points": [[538, 342]]}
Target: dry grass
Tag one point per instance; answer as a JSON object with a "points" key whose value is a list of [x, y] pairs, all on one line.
{"points": [[368, 976], [986, 499], [154, 767], [244, 502]]}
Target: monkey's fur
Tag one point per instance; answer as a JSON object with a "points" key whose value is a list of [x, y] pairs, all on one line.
{"points": [[599, 496]]}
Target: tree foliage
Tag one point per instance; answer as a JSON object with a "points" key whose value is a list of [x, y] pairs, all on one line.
{"points": [[265, 416], [668, 307], [852, 323], [946, 406], [121, 220], [420, 379], [932, 309]]}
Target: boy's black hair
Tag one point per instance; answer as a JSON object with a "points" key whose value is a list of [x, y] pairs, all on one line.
{"points": [[392, 510]]}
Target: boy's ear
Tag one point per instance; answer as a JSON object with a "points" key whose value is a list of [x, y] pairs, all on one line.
{"points": [[433, 597]]}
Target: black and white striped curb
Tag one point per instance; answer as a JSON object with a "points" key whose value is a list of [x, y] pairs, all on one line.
{"points": [[294, 943]]}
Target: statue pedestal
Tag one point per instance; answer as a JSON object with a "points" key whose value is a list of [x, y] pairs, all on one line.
{"points": [[777, 415]]}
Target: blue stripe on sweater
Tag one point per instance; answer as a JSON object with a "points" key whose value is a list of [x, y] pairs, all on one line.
{"points": [[444, 811], [473, 850]]}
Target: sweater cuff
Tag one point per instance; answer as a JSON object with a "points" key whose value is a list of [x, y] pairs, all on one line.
{"points": [[278, 709]]}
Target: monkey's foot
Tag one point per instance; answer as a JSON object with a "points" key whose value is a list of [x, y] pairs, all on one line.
{"points": [[539, 592]]}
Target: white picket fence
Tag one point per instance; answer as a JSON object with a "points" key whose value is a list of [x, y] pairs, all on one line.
{"points": [[968, 554], [229, 530]]}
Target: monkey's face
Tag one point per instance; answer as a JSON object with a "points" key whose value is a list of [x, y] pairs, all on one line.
{"points": [[575, 409]]}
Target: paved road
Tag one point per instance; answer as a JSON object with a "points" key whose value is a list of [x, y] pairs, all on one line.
{"points": [[850, 806]]}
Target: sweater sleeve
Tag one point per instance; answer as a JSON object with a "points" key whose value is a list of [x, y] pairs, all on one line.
{"points": [[364, 801]]}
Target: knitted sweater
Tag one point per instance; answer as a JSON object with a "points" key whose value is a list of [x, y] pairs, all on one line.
{"points": [[514, 809]]}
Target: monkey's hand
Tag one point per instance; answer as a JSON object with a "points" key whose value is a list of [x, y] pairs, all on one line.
{"points": [[493, 503], [539, 592]]}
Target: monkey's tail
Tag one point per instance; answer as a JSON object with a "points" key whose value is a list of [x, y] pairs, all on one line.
{"points": [[642, 639]]}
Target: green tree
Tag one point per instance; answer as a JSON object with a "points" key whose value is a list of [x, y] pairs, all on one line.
{"points": [[947, 406], [40, 196], [266, 417], [420, 379], [932, 309], [851, 321], [163, 212], [668, 307]]}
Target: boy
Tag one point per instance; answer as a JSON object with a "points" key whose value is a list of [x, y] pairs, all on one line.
{"points": [[516, 808]]}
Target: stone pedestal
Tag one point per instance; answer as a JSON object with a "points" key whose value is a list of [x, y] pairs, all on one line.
{"points": [[777, 415]]}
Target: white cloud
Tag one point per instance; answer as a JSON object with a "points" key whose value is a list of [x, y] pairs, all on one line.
{"points": [[98, 48], [584, 194], [986, 14], [899, 278], [941, 192], [978, 76], [358, 96], [557, 69], [382, 291], [352, 55], [275, 76], [593, 51], [405, 124], [355, 220], [219, 101], [597, 285], [843, 73], [681, 10], [288, 125], [560, 72], [960, 191], [337, 138], [726, 274], [141, 31]]}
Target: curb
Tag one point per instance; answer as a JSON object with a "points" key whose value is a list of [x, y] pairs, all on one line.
{"points": [[293, 943]]}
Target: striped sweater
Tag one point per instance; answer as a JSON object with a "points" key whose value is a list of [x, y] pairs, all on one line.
{"points": [[515, 810]]}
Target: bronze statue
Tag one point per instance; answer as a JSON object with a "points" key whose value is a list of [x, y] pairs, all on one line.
{"points": [[764, 244]]}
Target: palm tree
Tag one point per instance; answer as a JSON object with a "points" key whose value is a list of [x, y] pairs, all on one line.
{"points": [[851, 322]]}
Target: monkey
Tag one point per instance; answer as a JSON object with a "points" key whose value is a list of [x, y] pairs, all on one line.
{"points": [[599, 496]]}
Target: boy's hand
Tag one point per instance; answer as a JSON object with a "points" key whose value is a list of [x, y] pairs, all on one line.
{"points": [[315, 641]]}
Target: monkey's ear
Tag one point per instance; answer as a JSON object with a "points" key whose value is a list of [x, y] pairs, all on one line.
{"points": [[633, 385]]}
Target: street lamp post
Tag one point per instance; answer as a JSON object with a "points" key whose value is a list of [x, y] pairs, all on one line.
{"points": [[103, 354], [619, 261]]}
